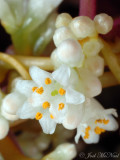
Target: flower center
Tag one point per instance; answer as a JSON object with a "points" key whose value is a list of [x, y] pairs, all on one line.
{"points": [[61, 106], [54, 93], [40, 90], [46, 105], [48, 81], [87, 134], [62, 91], [99, 130], [38, 116]]}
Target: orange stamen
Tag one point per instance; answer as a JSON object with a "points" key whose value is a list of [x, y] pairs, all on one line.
{"points": [[34, 88], [48, 81], [46, 105], [99, 130], [61, 106], [62, 91], [38, 116], [98, 121], [40, 90], [87, 134], [51, 116], [105, 121]]}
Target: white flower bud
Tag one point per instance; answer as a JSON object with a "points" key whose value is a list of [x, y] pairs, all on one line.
{"points": [[103, 23], [42, 141], [62, 34], [95, 65], [4, 127], [55, 60], [9, 116], [70, 53], [11, 104], [63, 20], [92, 47], [64, 151], [83, 27]]}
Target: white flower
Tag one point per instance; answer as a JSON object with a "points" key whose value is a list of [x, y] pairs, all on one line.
{"points": [[48, 96], [4, 124], [96, 120]]}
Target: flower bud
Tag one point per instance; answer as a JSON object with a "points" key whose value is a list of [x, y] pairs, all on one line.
{"points": [[11, 104], [62, 34], [55, 60], [103, 23], [4, 127], [70, 53], [92, 47], [83, 27], [95, 65], [63, 20], [64, 151]]}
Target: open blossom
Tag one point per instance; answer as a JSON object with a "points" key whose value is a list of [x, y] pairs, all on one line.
{"points": [[96, 120], [4, 124], [90, 119], [46, 97]]}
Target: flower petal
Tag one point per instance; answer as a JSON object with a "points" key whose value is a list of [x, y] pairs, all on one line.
{"points": [[39, 75], [74, 97], [48, 125], [62, 75], [73, 116], [93, 138], [27, 111], [58, 115], [25, 87], [112, 124]]}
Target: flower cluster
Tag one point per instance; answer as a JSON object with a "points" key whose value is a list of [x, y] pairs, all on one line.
{"points": [[78, 46], [46, 97], [66, 96]]}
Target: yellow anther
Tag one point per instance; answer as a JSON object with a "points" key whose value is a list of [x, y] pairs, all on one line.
{"points": [[40, 90], [38, 116], [62, 91], [48, 81], [105, 121], [98, 121], [51, 116], [61, 106], [34, 88], [99, 130], [102, 121], [46, 105], [87, 132]]}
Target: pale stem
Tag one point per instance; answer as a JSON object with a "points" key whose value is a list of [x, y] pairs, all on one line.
{"points": [[111, 60], [12, 61]]}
